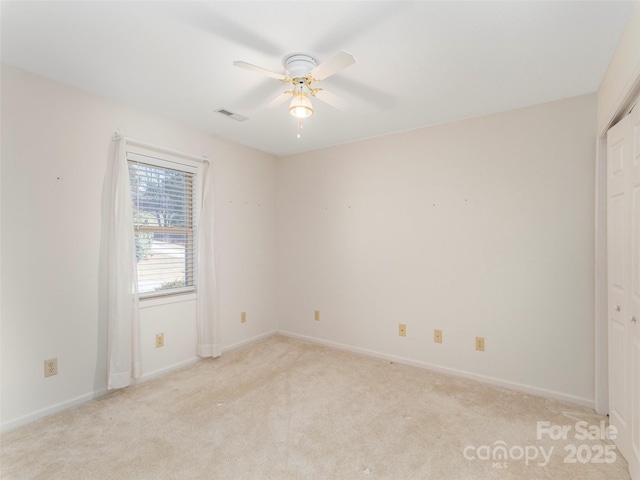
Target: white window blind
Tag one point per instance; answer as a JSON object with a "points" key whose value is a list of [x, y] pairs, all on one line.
{"points": [[163, 215]]}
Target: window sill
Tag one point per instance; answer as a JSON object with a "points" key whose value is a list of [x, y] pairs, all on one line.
{"points": [[167, 299]]}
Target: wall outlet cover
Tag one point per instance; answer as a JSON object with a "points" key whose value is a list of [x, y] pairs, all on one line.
{"points": [[50, 367], [437, 336]]}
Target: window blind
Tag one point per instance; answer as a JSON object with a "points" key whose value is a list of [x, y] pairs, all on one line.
{"points": [[163, 211]]}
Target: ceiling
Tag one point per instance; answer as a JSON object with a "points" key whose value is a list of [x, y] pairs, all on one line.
{"points": [[417, 63]]}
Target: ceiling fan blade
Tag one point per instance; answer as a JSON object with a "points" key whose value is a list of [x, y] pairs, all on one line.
{"points": [[216, 21], [333, 65], [356, 23], [333, 100], [279, 100], [263, 71]]}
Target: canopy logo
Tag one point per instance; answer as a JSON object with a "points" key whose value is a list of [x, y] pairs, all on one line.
{"points": [[500, 453]]}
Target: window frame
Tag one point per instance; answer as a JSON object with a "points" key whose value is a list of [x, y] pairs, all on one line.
{"points": [[164, 160]]}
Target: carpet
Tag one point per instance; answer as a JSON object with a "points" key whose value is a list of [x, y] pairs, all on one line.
{"points": [[287, 409]]}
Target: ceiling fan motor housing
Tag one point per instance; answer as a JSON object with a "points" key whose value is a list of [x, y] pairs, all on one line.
{"points": [[298, 65]]}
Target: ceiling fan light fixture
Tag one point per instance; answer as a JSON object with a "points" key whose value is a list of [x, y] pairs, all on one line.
{"points": [[300, 106]]}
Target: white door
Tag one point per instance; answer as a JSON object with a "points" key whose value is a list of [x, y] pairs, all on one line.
{"points": [[623, 247]]}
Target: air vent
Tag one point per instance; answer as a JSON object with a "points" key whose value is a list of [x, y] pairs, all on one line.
{"points": [[235, 116]]}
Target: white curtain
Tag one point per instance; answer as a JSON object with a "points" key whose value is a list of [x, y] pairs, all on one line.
{"points": [[207, 299], [124, 351]]}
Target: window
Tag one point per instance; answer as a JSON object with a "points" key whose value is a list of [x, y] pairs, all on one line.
{"points": [[163, 217]]}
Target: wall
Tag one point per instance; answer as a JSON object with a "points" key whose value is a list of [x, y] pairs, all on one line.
{"points": [[56, 151], [482, 227]]}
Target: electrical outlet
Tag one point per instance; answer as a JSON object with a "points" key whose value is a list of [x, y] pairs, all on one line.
{"points": [[402, 330], [50, 367], [437, 336], [316, 315], [160, 340], [480, 344], [243, 317]]}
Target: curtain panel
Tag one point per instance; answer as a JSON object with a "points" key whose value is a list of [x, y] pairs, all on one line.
{"points": [[207, 299], [124, 351]]}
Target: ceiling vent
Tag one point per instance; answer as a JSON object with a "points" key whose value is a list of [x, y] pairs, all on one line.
{"points": [[235, 116]]}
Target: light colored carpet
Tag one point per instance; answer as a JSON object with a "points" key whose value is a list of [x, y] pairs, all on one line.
{"points": [[282, 408]]}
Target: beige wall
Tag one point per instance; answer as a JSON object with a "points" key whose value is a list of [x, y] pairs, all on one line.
{"points": [[482, 227], [56, 150]]}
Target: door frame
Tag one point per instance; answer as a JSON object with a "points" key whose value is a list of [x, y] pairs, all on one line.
{"points": [[626, 102]]}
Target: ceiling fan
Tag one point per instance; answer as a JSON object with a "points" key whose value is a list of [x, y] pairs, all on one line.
{"points": [[303, 72]]}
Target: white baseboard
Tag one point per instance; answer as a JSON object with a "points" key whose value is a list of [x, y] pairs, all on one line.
{"points": [[45, 412], [163, 371], [248, 341], [519, 387]]}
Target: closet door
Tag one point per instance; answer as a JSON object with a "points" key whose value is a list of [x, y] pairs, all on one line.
{"points": [[623, 245], [634, 297]]}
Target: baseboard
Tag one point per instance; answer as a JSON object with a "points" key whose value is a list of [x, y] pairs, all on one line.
{"points": [[248, 341], [519, 387], [163, 371], [45, 412]]}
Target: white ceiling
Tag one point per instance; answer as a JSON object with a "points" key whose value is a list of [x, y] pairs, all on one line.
{"points": [[417, 63]]}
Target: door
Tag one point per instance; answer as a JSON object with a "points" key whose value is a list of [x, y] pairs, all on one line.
{"points": [[623, 258]]}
